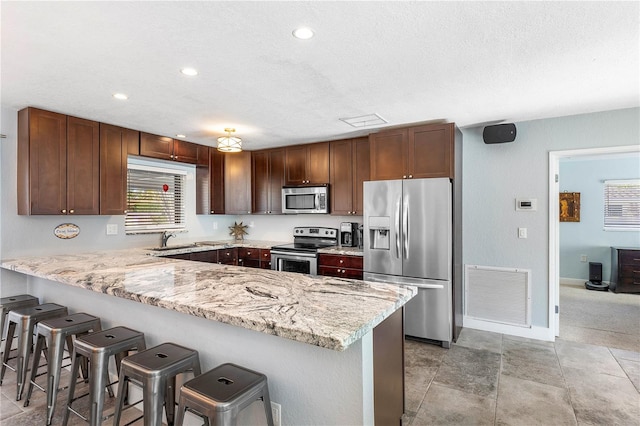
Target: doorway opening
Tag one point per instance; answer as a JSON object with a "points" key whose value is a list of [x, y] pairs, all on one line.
{"points": [[554, 224]]}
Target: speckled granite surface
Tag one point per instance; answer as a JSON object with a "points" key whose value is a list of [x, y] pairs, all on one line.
{"points": [[343, 251], [323, 311]]}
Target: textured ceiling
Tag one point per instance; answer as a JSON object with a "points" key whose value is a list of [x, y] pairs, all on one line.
{"points": [[463, 62]]}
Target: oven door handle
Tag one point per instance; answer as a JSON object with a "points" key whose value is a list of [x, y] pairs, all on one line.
{"points": [[292, 254]]}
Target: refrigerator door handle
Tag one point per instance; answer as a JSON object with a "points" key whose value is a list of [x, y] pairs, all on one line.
{"points": [[428, 286], [405, 226], [397, 228]]}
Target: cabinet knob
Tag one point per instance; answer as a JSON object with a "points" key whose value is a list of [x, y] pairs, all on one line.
{"points": [[248, 253], [410, 176], [71, 211], [266, 254], [125, 212], [404, 176], [64, 211], [341, 261], [171, 156], [212, 211], [175, 158]]}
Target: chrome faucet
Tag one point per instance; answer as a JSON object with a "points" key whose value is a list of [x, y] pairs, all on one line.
{"points": [[165, 237]]}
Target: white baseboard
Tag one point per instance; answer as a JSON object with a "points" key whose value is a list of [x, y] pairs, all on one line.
{"points": [[533, 332], [575, 281]]}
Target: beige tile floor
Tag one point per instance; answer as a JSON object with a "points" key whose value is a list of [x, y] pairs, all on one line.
{"points": [[589, 376], [495, 379]]}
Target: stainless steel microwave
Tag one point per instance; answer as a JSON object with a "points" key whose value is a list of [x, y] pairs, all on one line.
{"points": [[305, 199]]}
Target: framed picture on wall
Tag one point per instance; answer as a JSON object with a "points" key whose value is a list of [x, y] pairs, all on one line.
{"points": [[569, 207]]}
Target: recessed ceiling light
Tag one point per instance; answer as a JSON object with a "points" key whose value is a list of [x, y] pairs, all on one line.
{"points": [[189, 71], [120, 96], [303, 33], [181, 136]]}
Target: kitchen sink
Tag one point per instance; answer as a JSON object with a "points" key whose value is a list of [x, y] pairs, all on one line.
{"points": [[176, 247]]}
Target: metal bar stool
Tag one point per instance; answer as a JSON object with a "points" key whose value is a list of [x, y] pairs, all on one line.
{"points": [[156, 369], [220, 394], [51, 336], [26, 319], [98, 348], [14, 302]]}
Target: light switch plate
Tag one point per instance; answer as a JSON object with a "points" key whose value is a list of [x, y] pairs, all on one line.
{"points": [[112, 229], [522, 232]]}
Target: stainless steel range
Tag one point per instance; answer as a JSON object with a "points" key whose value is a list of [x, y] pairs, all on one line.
{"points": [[302, 255]]}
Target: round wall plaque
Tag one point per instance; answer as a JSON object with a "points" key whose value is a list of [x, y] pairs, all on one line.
{"points": [[66, 231]]}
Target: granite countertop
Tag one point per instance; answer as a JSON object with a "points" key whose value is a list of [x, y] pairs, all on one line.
{"points": [[343, 251], [324, 311], [199, 245]]}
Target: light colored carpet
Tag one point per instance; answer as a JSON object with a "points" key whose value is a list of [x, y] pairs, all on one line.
{"points": [[600, 318]]}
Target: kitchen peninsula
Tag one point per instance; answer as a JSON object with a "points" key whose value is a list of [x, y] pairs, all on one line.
{"points": [[324, 343]]}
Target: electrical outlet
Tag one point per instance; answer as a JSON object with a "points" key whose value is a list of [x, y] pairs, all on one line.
{"points": [[583, 258], [276, 412], [112, 229], [215, 225]]}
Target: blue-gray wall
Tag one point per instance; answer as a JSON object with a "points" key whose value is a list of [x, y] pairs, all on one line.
{"points": [[588, 237], [495, 175]]}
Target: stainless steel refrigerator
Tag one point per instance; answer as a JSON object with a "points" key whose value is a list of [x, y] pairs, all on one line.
{"points": [[408, 240]]}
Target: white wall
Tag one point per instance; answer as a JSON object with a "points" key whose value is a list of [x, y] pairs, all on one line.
{"points": [[495, 175], [588, 236]]}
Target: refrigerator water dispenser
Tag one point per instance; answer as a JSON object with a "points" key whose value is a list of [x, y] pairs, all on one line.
{"points": [[379, 235]]}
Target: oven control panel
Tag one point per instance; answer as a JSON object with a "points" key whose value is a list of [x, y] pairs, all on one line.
{"points": [[305, 231]]}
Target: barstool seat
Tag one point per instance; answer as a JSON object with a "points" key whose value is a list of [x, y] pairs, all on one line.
{"points": [[25, 319], [52, 336], [220, 394], [156, 369], [97, 348], [10, 303]]}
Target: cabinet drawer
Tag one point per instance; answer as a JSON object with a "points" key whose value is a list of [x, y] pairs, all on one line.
{"points": [[265, 265], [248, 253], [228, 256], [630, 271], [330, 271], [629, 257], [340, 261]]}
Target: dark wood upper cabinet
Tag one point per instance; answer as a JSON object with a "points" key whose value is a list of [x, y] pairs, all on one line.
{"points": [[413, 153], [307, 164], [166, 148], [216, 184], [203, 181], [237, 183], [185, 152], [156, 146], [116, 143], [267, 180], [58, 161], [349, 165]]}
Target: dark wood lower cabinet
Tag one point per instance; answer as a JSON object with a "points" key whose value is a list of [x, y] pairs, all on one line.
{"points": [[388, 370], [340, 266]]}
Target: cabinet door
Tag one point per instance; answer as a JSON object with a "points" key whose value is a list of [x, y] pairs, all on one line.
{"points": [[185, 152], [115, 144], [228, 256], [276, 180], [388, 155], [156, 146], [342, 177], [237, 182], [318, 163], [42, 162], [362, 167], [295, 165], [260, 181], [216, 185], [203, 181], [209, 256], [83, 166], [430, 151]]}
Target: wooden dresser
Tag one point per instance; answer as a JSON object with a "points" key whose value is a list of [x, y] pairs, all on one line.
{"points": [[625, 270]]}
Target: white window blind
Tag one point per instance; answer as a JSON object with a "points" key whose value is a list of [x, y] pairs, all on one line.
{"points": [[155, 199], [622, 204]]}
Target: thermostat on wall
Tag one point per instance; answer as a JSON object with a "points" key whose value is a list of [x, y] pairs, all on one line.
{"points": [[526, 204]]}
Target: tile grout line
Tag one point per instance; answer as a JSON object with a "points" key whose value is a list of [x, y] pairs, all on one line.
{"points": [[566, 385], [495, 411]]}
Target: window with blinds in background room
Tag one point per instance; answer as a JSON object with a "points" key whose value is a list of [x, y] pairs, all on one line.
{"points": [[155, 199], [622, 204]]}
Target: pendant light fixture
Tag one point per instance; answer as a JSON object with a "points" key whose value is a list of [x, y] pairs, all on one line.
{"points": [[229, 143]]}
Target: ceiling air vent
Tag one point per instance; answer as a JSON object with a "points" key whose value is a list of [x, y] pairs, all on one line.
{"points": [[365, 120]]}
